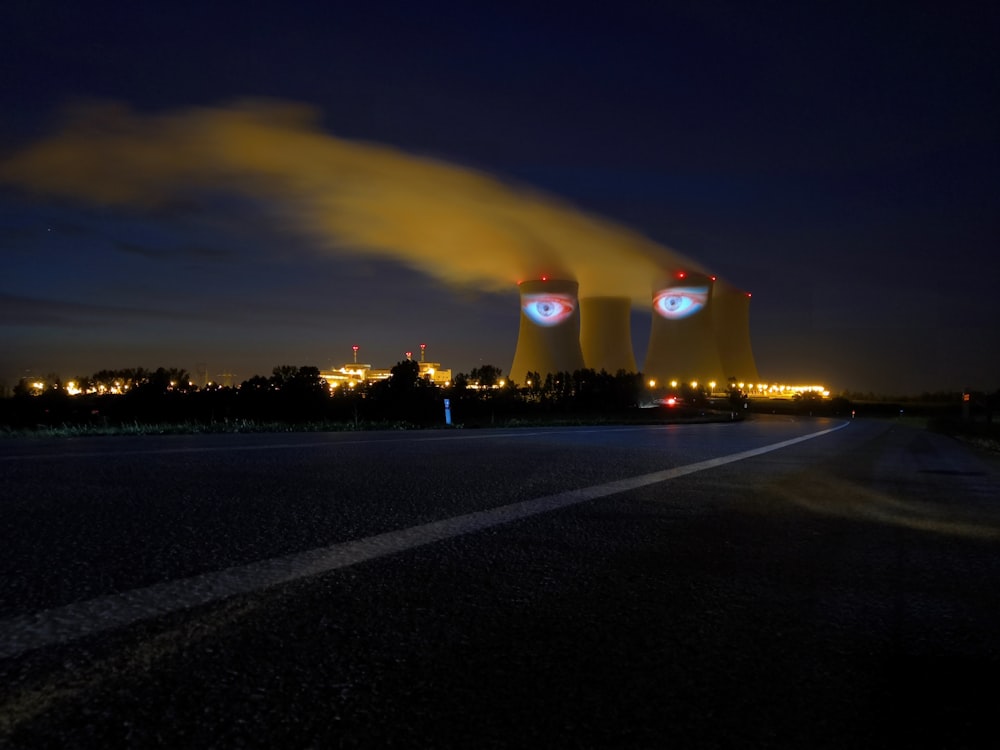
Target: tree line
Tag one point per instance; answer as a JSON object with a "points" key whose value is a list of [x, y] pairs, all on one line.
{"points": [[299, 395]]}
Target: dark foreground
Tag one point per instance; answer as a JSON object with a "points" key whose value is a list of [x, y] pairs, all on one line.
{"points": [[840, 592]]}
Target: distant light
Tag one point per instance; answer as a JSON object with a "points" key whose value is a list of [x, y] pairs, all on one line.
{"points": [[749, 295], [545, 278], [652, 383], [713, 278], [681, 275], [671, 401]]}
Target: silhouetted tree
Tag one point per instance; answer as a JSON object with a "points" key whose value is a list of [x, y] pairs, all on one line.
{"points": [[298, 393], [257, 383], [404, 376], [486, 375]]}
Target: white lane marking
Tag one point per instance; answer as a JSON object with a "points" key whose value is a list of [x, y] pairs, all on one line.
{"points": [[72, 621]]}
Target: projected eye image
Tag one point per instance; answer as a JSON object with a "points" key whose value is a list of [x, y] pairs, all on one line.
{"points": [[680, 302], [548, 309]]}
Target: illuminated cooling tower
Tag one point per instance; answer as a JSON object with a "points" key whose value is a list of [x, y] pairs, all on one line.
{"points": [[549, 337], [606, 335], [731, 319], [682, 338]]}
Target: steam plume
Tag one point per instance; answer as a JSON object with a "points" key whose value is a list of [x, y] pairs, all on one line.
{"points": [[453, 223]]}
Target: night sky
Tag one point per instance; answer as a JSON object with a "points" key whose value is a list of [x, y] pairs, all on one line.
{"points": [[240, 186]]}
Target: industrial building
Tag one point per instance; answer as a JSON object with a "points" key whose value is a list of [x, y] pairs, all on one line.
{"points": [[731, 322], [548, 339], [606, 334], [354, 373], [682, 343], [699, 331]]}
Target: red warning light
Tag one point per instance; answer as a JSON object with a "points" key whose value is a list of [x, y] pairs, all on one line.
{"points": [[713, 278], [749, 295], [409, 354], [545, 278], [355, 347]]}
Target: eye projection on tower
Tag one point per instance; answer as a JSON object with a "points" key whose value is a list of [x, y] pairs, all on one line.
{"points": [[682, 343], [548, 340]]}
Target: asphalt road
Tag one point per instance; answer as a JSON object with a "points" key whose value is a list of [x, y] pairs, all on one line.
{"points": [[676, 586]]}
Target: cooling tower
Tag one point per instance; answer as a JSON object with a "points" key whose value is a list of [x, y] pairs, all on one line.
{"points": [[682, 343], [731, 319], [549, 337], [606, 334]]}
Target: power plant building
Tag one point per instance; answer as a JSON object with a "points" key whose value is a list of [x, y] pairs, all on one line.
{"points": [[731, 320], [682, 343], [700, 332], [548, 339], [606, 335]]}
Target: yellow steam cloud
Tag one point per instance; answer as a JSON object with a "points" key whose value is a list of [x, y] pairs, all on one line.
{"points": [[452, 223]]}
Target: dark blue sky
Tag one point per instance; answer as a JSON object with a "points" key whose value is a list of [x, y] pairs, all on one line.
{"points": [[838, 160]]}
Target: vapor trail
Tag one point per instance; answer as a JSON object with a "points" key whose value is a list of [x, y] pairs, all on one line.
{"points": [[458, 225]]}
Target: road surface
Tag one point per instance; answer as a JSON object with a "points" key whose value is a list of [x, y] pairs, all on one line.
{"points": [[773, 583]]}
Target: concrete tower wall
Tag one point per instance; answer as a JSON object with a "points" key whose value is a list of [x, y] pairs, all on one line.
{"points": [[731, 319], [606, 334], [548, 339], [682, 343]]}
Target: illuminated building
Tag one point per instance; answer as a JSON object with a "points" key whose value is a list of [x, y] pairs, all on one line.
{"points": [[548, 340], [606, 335], [682, 344], [433, 370], [351, 375], [355, 373], [731, 320]]}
